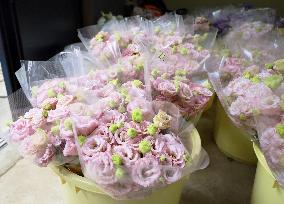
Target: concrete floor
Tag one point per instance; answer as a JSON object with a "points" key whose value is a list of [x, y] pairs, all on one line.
{"points": [[224, 181]]}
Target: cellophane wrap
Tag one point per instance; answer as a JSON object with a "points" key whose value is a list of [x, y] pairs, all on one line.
{"points": [[128, 144], [254, 24], [242, 77], [38, 131], [270, 123], [174, 68]]}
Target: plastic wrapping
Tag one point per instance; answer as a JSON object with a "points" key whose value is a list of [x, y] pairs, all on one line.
{"points": [[174, 70], [116, 38], [39, 131], [242, 77], [254, 23], [137, 145]]}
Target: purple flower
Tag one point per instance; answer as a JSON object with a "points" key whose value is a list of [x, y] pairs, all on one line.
{"points": [[146, 171], [21, 129]]}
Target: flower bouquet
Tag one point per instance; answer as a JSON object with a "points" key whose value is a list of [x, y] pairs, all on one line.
{"points": [[110, 116]]}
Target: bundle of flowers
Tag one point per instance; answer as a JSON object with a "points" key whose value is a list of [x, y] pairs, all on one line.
{"points": [[122, 118]]}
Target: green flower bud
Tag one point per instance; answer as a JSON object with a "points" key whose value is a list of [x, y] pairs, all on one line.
{"points": [[68, 124], [47, 107], [247, 75], [127, 99], [199, 48], [45, 113], [152, 129], [157, 29], [282, 106], [269, 65], [120, 124], [121, 109], [8, 123], [279, 65], [51, 93], [81, 139], [116, 159], [181, 72], [163, 158], [255, 79], [137, 83], [255, 111], [145, 146], [242, 117], [207, 85], [226, 53], [155, 73], [164, 76], [55, 130], [186, 158], [123, 92], [114, 82], [137, 115], [280, 129], [162, 120], [132, 133], [113, 128], [119, 173], [183, 51], [112, 104], [99, 37], [174, 49], [139, 67], [273, 81], [117, 36], [62, 85], [60, 96]]}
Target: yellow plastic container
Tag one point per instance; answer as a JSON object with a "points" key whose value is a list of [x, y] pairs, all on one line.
{"points": [[230, 140], [79, 190], [209, 105], [266, 190]]}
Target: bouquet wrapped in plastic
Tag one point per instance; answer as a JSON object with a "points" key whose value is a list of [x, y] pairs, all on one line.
{"points": [[244, 77], [239, 21]]}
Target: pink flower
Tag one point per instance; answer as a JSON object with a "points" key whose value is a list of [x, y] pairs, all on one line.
{"points": [[70, 148], [103, 132], [57, 114], [85, 124], [171, 174], [128, 153], [112, 116], [43, 158], [21, 129], [272, 146], [80, 109], [93, 146], [65, 100], [146, 171], [101, 169], [36, 117], [165, 87]]}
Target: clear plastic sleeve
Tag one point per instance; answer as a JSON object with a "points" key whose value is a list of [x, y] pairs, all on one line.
{"points": [[241, 78]]}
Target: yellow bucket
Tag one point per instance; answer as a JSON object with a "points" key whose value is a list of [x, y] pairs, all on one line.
{"points": [[209, 104], [79, 190], [266, 190], [230, 140]]}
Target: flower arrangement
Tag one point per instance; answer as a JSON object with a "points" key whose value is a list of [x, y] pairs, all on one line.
{"points": [[126, 122]]}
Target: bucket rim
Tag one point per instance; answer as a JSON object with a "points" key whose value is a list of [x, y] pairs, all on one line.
{"points": [[262, 159]]}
